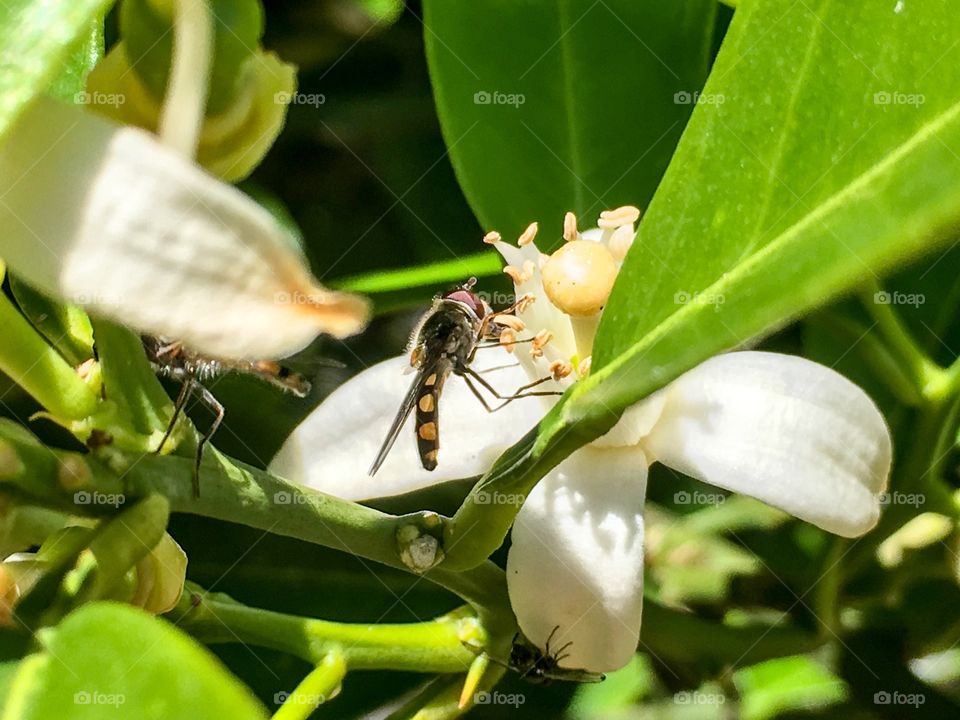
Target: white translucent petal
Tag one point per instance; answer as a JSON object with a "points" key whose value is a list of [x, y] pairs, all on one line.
{"points": [[576, 563], [107, 217], [332, 449], [782, 429]]}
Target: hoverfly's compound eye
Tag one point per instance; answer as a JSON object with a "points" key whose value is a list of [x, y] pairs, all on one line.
{"points": [[471, 300]]}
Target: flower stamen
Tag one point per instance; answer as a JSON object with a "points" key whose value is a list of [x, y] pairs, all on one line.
{"points": [[529, 234], [612, 219], [510, 321], [515, 274], [560, 369], [570, 227], [492, 237], [540, 341]]}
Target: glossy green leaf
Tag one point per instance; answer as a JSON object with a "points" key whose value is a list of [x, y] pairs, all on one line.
{"points": [[36, 37], [795, 187], [66, 327], [70, 83], [111, 660], [552, 106]]}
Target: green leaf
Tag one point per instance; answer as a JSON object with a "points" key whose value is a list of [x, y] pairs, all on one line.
{"points": [[111, 660], [553, 106], [432, 275], [66, 327], [37, 37], [775, 687], [794, 189], [70, 84]]}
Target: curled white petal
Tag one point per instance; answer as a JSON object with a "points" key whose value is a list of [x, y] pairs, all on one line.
{"points": [[782, 429], [109, 218], [576, 563], [332, 449]]}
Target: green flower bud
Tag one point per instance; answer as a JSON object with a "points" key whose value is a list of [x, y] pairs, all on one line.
{"points": [[146, 27], [250, 89]]}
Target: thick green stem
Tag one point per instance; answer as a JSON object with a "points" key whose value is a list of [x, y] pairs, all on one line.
{"points": [[434, 646], [240, 494], [322, 684], [39, 369]]}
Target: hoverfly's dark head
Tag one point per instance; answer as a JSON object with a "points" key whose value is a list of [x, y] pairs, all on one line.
{"points": [[465, 296]]}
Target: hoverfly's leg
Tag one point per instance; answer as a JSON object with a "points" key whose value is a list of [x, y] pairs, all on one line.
{"points": [[186, 386], [478, 395], [172, 349], [559, 654], [211, 402], [521, 392], [546, 645]]}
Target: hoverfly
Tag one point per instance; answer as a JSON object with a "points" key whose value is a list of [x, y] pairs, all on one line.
{"points": [[543, 667], [445, 341], [170, 359]]}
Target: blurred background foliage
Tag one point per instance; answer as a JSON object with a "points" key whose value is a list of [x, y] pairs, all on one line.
{"points": [[366, 178]]}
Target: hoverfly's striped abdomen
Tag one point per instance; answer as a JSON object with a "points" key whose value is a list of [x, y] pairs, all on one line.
{"points": [[428, 437]]}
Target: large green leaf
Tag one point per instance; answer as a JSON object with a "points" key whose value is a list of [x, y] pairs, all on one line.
{"points": [[36, 37], [549, 106], [111, 660], [798, 186]]}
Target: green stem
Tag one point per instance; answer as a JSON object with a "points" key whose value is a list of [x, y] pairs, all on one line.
{"points": [[436, 646], [241, 494], [322, 684], [39, 369], [826, 600], [129, 381], [920, 367]]}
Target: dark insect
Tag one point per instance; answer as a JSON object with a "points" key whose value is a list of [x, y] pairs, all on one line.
{"points": [[445, 341], [170, 359], [543, 667]]}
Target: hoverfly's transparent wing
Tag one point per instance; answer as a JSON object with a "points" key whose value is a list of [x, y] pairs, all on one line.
{"points": [[406, 407], [574, 675]]}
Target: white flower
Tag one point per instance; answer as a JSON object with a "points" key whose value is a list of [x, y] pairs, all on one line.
{"points": [[782, 429], [129, 226]]}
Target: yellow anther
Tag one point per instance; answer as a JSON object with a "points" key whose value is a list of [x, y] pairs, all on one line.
{"points": [[569, 227], [528, 235], [612, 219]]}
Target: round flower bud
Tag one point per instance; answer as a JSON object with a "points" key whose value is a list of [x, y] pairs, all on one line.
{"points": [[579, 276]]}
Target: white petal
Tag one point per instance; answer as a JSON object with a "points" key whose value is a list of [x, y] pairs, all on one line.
{"points": [[782, 429], [332, 449], [576, 563], [107, 217]]}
